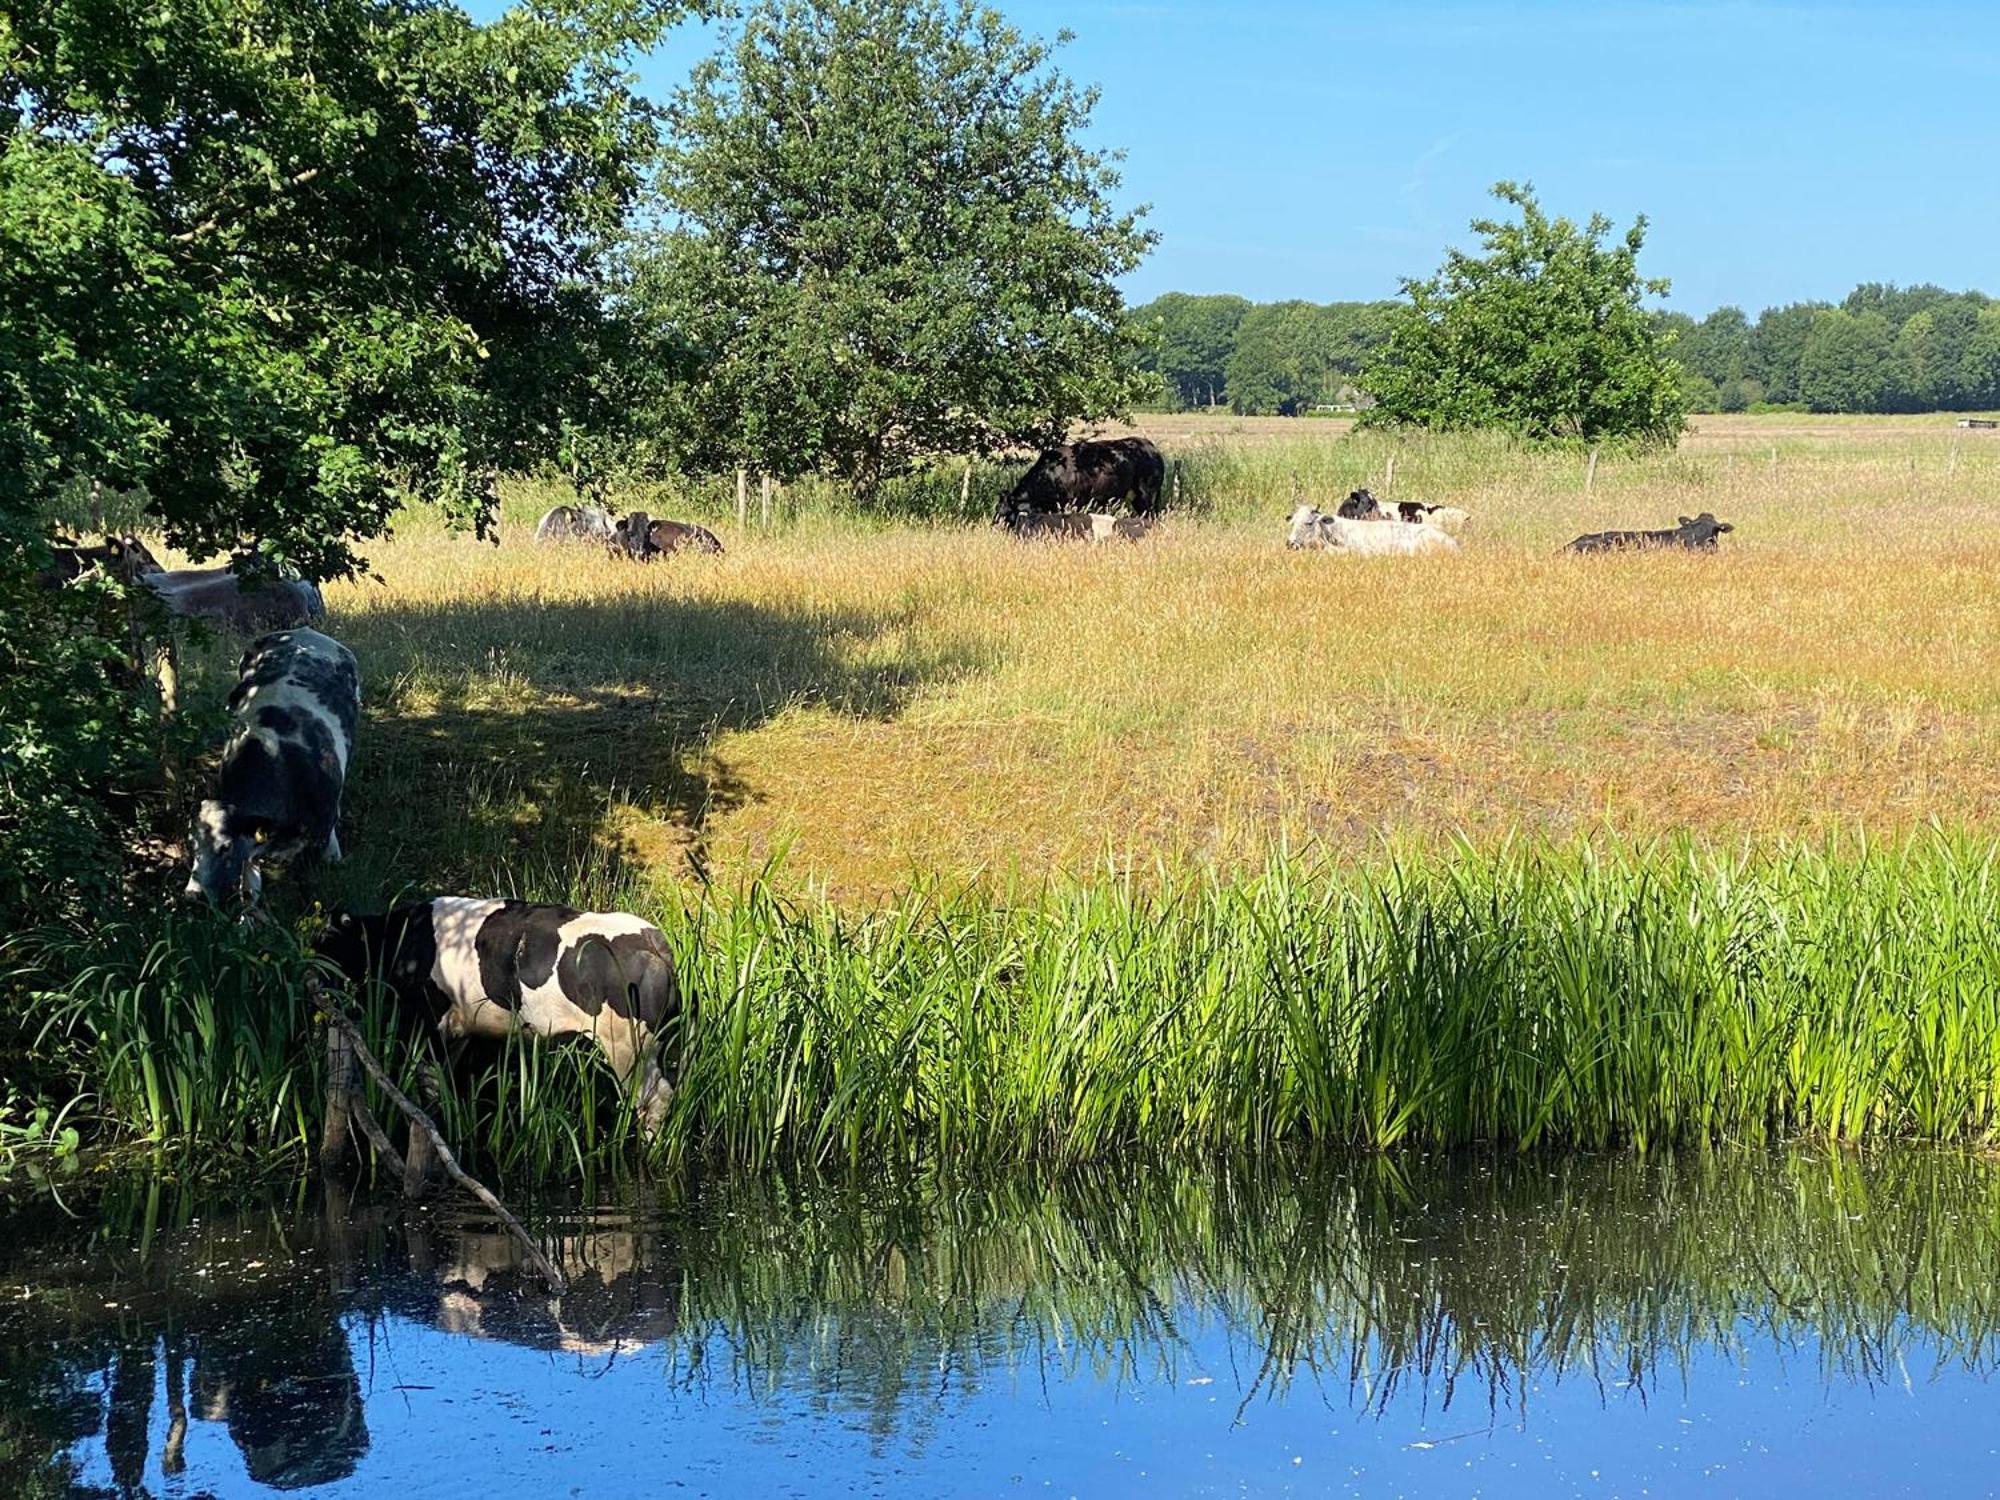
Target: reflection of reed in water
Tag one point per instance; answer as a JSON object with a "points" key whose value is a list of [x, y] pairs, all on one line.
{"points": [[1372, 1276], [1462, 1279]]}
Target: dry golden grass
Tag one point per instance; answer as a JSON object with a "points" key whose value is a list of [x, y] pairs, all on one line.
{"points": [[883, 701]]}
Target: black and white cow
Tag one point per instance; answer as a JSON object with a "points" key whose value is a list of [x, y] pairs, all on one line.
{"points": [[1310, 531], [487, 968], [1695, 534], [296, 700], [1360, 505]]}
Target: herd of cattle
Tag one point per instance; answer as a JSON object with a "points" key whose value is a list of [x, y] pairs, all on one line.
{"points": [[463, 967]]}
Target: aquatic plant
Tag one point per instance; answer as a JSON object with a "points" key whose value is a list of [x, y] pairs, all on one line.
{"points": [[1531, 995]]}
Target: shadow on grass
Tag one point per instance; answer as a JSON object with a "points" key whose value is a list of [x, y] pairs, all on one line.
{"points": [[566, 750]]}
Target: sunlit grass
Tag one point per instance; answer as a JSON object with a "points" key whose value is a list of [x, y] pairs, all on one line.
{"points": [[881, 700], [975, 849]]}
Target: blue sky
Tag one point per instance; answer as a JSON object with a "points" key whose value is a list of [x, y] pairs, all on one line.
{"points": [[1297, 148]]}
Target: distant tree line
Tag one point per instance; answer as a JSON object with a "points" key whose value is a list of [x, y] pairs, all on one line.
{"points": [[1258, 359], [1882, 349]]}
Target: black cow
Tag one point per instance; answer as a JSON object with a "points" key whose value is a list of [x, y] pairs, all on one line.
{"points": [[295, 704], [485, 968], [632, 536], [1089, 475], [1697, 535]]}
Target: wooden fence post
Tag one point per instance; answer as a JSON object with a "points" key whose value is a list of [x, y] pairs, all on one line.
{"points": [[339, 1099], [1389, 479], [764, 502], [742, 497], [1590, 472]]}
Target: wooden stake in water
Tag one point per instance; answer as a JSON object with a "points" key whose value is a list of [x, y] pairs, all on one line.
{"points": [[355, 1108]]}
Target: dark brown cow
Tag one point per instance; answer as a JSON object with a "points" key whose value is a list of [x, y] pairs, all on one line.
{"points": [[680, 536], [1092, 475]]}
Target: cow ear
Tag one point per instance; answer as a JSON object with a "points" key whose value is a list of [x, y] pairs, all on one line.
{"points": [[1686, 521]]}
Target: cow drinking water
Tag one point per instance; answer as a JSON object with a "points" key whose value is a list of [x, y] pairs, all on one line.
{"points": [[297, 697], [470, 967]]}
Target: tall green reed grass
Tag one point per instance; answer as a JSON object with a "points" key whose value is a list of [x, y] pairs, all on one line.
{"points": [[1530, 996]]}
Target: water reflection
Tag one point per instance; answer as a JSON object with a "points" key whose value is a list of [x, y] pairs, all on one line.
{"points": [[1440, 1296]]}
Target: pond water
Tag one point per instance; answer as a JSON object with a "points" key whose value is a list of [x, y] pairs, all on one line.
{"points": [[1722, 1324]]}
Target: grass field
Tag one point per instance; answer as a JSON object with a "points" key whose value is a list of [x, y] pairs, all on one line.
{"points": [[1194, 845], [880, 701]]}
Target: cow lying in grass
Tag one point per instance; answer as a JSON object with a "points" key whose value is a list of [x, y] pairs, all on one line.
{"points": [[573, 523], [222, 597], [1696, 535], [464, 967], [640, 537], [1362, 506], [277, 794], [1309, 530]]}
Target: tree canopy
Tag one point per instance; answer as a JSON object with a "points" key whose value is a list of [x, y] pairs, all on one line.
{"points": [[888, 239], [1883, 349], [1189, 341], [1544, 335], [272, 269], [285, 265]]}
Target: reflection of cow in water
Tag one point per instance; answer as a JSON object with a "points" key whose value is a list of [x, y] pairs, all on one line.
{"points": [[474, 1282], [247, 1326], [277, 1373], [1092, 475]]}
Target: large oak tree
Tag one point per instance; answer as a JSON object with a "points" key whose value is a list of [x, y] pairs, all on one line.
{"points": [[889, 239]]}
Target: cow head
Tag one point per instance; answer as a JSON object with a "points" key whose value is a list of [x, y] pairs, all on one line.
{"points": [[1302, 528], [227, 847], [1703, 529], [633, 533]]}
